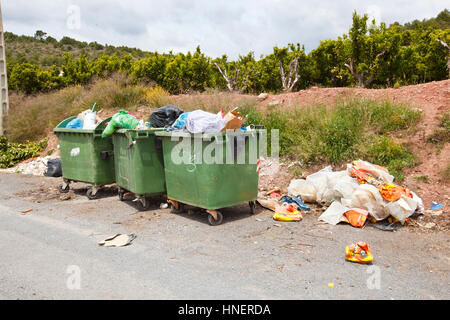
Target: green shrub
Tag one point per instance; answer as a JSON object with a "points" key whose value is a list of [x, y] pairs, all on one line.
{"points": [[394, 157], [12, 153]]}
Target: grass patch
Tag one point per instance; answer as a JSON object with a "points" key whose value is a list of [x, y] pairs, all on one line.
{"points": [[445, 174], [424, 179], [349, 130], [441, 134]]}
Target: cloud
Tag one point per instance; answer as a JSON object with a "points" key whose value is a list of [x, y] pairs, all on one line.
{"points": [[219, 27]]}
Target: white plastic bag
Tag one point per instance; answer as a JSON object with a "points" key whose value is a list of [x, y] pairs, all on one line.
{"points": [[333, 215], [89, 120], [303, 188], [402, 208], [368, 197], [320, 181], [200, 121]]}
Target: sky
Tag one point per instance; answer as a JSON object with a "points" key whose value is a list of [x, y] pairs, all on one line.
{"points": [[229, 27]]}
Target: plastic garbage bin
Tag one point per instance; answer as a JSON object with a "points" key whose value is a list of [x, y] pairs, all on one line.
{"points": [[211, 171], [139, 164], [85, 156]]}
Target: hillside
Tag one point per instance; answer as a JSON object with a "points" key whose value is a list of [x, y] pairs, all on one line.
{"points": [[47, 51]]}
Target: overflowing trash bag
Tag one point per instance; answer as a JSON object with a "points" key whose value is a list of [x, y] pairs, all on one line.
{"points": [[123, 120], [200, 121], [180, 123], [76, 123], [85, 120], [164, 116], [54, 168]]}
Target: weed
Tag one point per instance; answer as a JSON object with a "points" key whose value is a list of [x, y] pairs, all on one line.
{"points": [[424, 179], [441, 134], [445, 174], [156, 97]]}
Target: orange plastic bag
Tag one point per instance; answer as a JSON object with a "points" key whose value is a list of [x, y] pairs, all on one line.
{"points": [[356, 217], [358, 252], [392, 192], [366, 172]]}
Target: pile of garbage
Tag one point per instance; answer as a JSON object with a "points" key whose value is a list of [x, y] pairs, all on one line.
{"points": [[38, 166], [363, 191]]}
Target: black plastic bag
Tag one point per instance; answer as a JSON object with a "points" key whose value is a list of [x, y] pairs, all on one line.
{"points": [[164, 116], [54, 168]]}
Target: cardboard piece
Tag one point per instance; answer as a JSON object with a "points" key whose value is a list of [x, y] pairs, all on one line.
{"points": [[234, 120]]}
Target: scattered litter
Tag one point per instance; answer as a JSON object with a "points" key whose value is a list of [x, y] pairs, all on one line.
{"points": [[287, 213], [333, 215], [26, 211], [356, 217], [277, 225], [428, 225], [164, 205], [358, 252], [65, 196], [436, 213], [331, 285], [435, 206], [118, 240], [296, 200], [269, 204], [388, 226], [260, 220]]}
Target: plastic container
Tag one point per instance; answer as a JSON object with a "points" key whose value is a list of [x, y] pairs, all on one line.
{"points": [[139, 164], [89, 120], [230, 179], [85, 156]]}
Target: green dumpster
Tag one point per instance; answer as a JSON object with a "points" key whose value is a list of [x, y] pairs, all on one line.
{"points": [[211, 171], [85, 156], [139, 164]]}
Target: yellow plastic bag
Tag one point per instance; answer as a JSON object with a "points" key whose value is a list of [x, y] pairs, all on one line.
{"points": [[358, 252], [287, 213]]}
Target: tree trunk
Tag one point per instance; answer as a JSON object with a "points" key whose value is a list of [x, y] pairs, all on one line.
{"points": [[448, 59], [289, 83], [361, 76]]}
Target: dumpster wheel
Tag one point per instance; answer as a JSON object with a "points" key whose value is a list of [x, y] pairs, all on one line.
{"points": [[252, 205], [213, 221], [90, 193], [143, 204], [121, 194], [63, 189]]}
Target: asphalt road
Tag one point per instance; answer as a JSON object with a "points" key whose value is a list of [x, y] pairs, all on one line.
{"points": [[51, 252]]}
